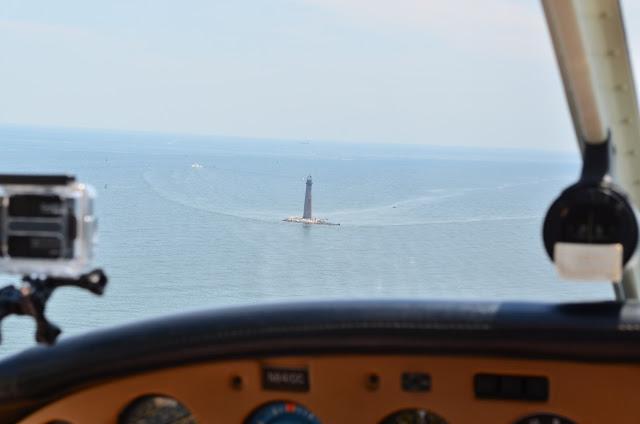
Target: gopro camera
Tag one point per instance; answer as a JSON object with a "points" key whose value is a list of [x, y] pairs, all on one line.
{"points": [[47, 226]]}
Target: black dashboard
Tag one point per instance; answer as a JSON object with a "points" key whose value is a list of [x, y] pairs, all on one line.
{"points": [[333, 362]]}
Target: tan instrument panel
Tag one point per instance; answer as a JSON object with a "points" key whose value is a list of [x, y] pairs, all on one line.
{"points": [[344, 389]]}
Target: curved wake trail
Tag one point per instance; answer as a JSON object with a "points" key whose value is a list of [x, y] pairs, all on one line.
{"points": [[253, 197]]}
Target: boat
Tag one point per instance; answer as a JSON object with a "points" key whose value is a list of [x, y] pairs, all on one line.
{"points": [[398, 361]]}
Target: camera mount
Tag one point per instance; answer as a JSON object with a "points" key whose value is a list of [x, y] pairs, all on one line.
{"points": [[591, 231], [32, 296]]}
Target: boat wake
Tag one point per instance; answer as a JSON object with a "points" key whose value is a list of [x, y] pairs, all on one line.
{"points": [[251, 198]]}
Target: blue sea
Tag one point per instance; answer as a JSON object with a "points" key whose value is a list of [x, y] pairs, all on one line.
{"points": [[416, 222]]}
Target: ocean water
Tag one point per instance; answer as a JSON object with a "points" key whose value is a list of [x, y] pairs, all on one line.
{"points": [[416, 222]]}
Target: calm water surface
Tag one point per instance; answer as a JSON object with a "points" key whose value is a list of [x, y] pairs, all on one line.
{"points": [[417, 222]]}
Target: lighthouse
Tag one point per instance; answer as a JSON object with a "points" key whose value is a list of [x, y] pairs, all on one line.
{"points": [[307, 215], [307, 200]]}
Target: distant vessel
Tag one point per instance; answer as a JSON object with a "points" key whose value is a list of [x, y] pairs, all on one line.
{"points": [[196, 165], [307, 217]]}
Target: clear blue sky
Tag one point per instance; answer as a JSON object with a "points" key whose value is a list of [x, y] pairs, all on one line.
{"points": [[461, 72]]}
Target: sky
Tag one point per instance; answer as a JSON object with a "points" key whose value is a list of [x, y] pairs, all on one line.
{"points": [[455, 72]]}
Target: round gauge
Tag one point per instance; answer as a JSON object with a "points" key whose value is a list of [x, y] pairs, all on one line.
{"points": [[414, 416], [544, 419], [157, 410], [282, 413]]}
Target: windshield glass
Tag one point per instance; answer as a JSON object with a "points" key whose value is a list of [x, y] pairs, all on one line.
{"points": [[435, 133]]}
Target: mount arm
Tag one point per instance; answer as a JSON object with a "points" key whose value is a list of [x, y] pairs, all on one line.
{"points": [[31, 299]]}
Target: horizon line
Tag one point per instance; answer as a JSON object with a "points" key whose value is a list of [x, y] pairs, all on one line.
{"points": [[44, 127]]}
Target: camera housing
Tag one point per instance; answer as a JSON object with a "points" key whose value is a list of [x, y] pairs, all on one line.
{"points": [[47, 225]]}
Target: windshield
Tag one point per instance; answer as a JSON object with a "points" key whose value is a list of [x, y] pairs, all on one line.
{"points": [[435, 133]]}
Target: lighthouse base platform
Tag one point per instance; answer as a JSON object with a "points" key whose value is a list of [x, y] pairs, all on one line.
{"points": [[309, 221]]}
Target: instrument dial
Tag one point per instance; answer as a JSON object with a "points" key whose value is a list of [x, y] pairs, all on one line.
{"points": [[545, 419], [157, 410], [282, 413], [414, 416]]}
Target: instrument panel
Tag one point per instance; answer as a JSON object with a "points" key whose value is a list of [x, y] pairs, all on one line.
{"points": [[377, 389]]}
